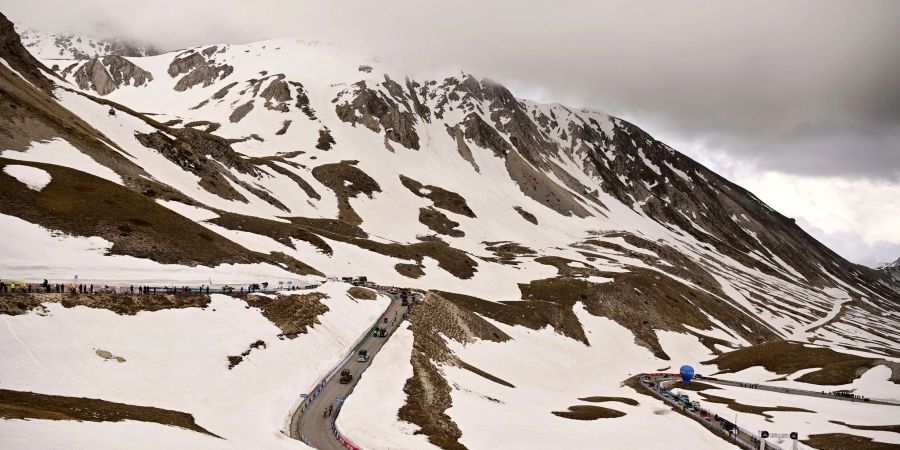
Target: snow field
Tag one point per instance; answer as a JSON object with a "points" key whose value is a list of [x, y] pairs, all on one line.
{"points": [[176, 359]]}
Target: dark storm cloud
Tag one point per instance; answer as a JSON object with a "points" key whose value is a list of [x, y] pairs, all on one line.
{"points": [[796, 86]]}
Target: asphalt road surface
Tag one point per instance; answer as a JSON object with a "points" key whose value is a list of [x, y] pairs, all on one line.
{"points": [[311, 425]]}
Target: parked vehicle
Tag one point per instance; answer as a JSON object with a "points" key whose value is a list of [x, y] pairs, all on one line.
{"points": [[347, 279]]}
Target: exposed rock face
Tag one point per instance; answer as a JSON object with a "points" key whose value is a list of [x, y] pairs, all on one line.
{"points": [[375, 111], [185, 64], [106, 74], [277, 95], [92, 75], [200, 68]]}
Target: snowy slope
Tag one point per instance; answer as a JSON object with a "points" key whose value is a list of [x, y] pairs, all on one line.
{"points": [[177, 359]]}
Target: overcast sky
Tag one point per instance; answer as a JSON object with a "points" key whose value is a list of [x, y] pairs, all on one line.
{"points": [[798, 101]]}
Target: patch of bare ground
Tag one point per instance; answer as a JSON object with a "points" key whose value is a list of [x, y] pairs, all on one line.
{"points": [[428, 393], [454, 261], [346, 180], [540, 187], [210, 126], [108, 356], [600, 399], [361, 293], [566, 268], [235, 360], [14, 304], [325, 141], [645, 301], [293, 314], [530, 314], [283, 232], [506, 252], [787, 357], [439, 222], [750, 409], [484, 374], [409, 270], [526, 215], [440, 197], [81, 204], [240, 112], [31, 405], [303, 184], [284, 127], [841, 441], [889, 428], [589, 412]]}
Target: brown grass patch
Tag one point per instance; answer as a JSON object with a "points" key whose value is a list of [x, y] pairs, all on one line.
{"points": [[235, 360], [507, 252], [30, 405], [484, 374], [530, 314], [347, 181], [526, 215], [758, 410], [282, 232], [14, 304], [453, 260], [292, 314], [841, 441], [442, 198], [361, 293], [439, 222], [565, 270], [600, 399], [81, 204], [409, 270], [787, 357], [645, 301], [428, 393], [890, 428], [589, 412]]}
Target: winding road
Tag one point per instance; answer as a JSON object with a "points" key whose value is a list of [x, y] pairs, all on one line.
{"points": [[309, 422]]}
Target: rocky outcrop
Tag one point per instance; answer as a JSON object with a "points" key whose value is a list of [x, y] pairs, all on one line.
{"points": [[375, 111], [200, 68], [93, 76], [106, 74]]}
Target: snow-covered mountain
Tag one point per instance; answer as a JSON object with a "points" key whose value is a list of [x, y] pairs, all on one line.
{"points": [[563, 250], [73, 46]]}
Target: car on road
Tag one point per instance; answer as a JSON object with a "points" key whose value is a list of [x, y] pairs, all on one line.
{"points": [[666, 394], [362, 356], [346, 377]]}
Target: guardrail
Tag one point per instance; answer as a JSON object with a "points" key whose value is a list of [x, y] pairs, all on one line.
{"points": [[806, 392]]}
